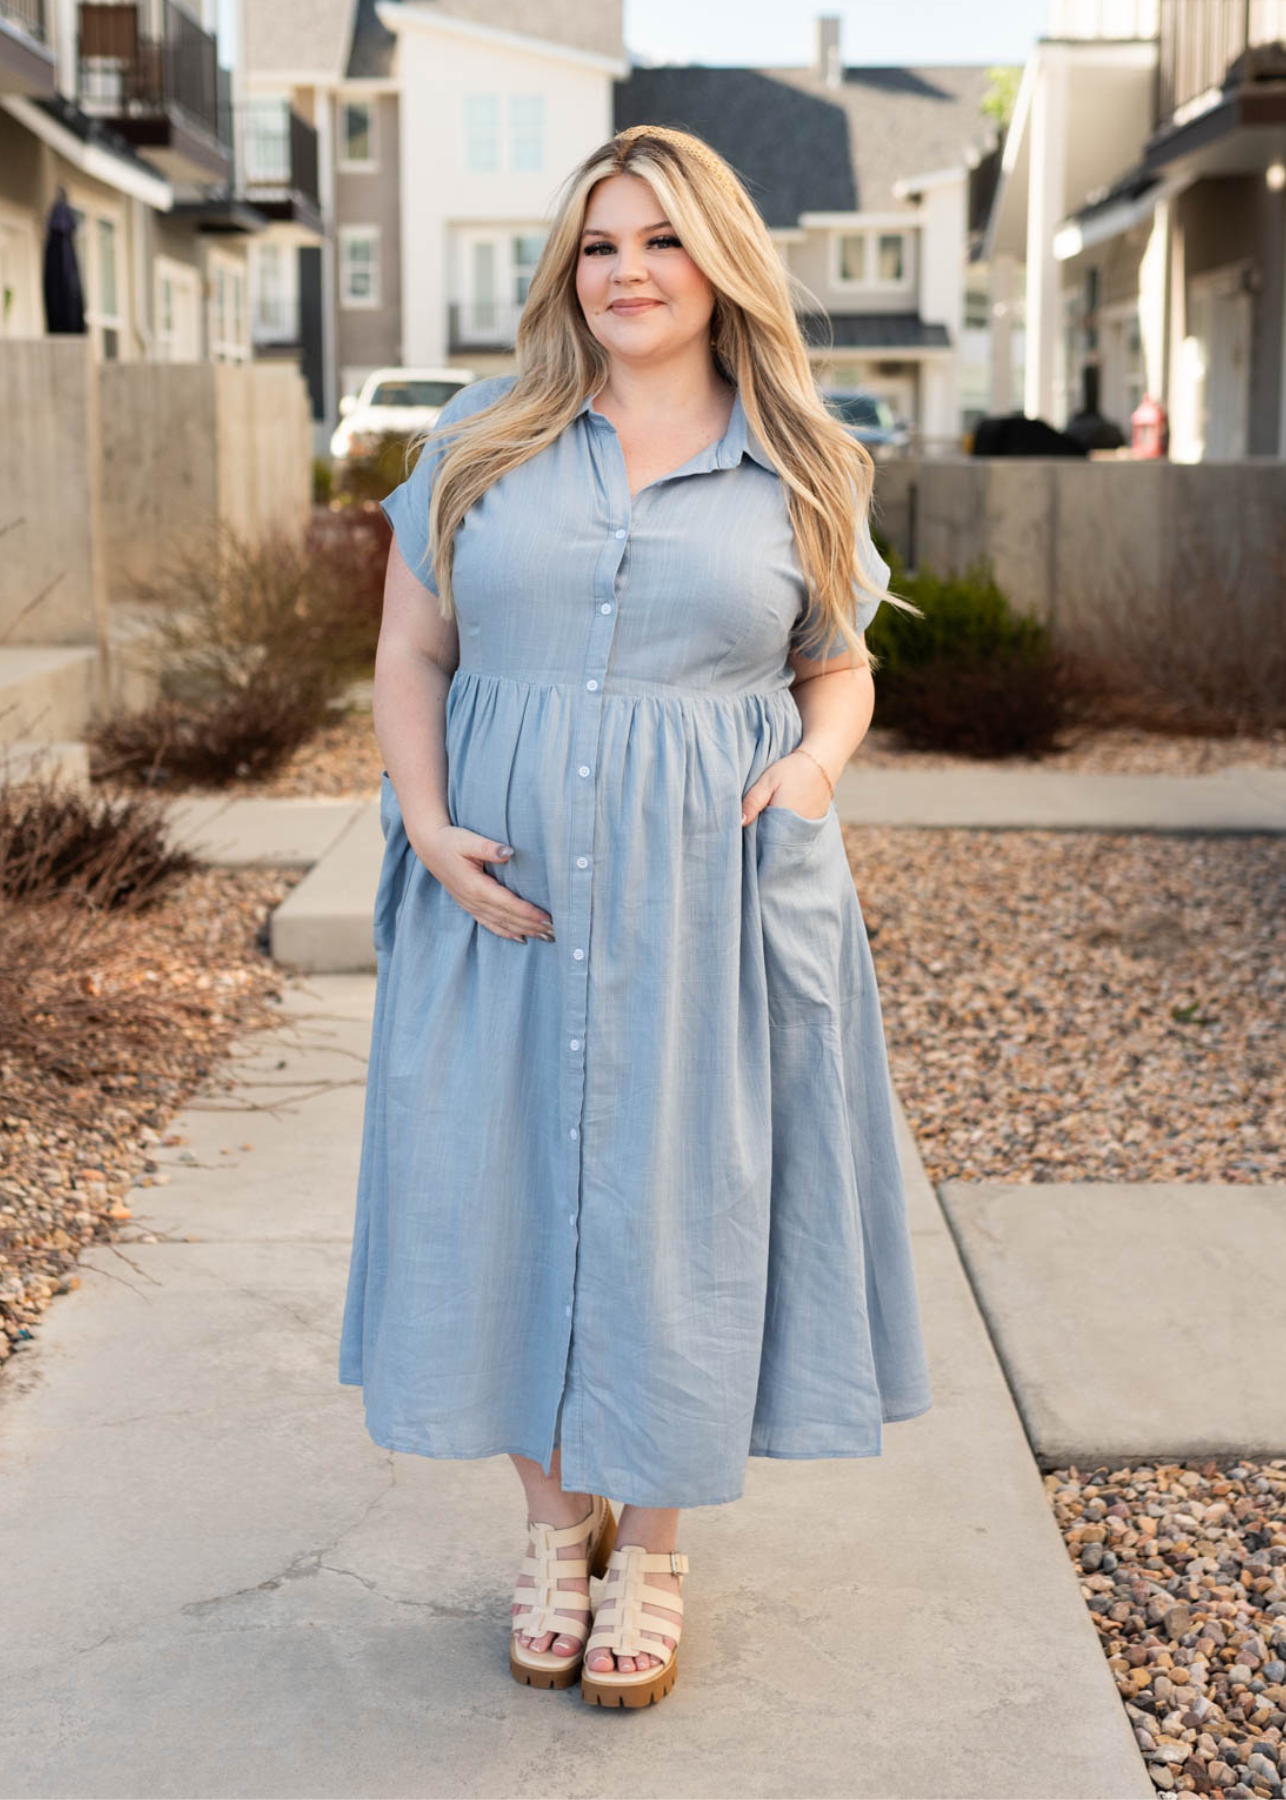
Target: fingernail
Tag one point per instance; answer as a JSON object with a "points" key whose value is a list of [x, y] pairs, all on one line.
{"points": [[506, 850]]}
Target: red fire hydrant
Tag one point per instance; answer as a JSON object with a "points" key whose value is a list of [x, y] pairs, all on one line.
{"points": [[1149, 429]]}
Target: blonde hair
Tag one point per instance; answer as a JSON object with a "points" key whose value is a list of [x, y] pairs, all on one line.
{"points": [[755, 338]]}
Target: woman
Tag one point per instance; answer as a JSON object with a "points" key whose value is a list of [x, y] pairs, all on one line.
{"points": [[629, 1207]]}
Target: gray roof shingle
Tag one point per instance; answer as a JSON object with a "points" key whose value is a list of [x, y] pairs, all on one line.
{"points": [[801, 146]]}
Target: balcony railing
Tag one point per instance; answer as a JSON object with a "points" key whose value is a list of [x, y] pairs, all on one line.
{"points": [[482, 323], [28, 16], [1201, 39], [278, 152], [148, 58]]}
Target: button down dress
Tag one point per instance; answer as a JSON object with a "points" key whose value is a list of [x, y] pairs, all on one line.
{"points": [[635, 1192]]}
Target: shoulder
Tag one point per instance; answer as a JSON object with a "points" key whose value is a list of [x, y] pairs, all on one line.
{"points": [[473, 397]]}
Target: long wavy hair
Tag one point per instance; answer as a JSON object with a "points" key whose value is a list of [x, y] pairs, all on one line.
{"points": [[755, 338]]}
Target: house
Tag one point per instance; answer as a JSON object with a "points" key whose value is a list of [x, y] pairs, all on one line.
{"points": [[127, 108], [1142, 210], [869, 179], [442, 133]]}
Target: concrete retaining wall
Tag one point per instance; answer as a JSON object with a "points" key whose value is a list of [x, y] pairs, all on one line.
{"points": [[1074, 543], [106, 471], [52, 577]]}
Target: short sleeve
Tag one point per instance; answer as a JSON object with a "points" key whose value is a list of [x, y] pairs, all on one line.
{"points": [[407, 507], [877, 571]]}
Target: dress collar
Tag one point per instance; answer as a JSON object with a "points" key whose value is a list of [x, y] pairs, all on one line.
{"points": [[737, 441]]}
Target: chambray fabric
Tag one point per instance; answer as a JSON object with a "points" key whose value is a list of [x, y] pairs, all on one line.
{"points": [[636, 1191]]}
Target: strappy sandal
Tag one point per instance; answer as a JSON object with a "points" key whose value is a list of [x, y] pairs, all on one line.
{"points": [[622, 1634], [546, 1668]]}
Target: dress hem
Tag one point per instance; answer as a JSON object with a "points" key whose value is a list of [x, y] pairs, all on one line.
{"points": [[597, 1485]]}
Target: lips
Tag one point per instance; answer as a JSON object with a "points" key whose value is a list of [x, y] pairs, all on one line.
{"points": [[632, 306]]}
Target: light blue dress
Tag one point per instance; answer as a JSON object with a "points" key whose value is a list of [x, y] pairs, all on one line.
{"points": [[636, 1191]]}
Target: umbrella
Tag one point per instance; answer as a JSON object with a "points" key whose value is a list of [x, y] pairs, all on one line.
{"points": [[64, 297]]}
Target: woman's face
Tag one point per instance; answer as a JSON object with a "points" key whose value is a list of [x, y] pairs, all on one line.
{"points": [[643, 297]]}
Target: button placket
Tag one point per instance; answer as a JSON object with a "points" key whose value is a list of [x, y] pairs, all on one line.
{"points": [[582, 812]]}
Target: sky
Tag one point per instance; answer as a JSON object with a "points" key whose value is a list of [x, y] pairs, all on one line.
{"points": [[782, 31]]}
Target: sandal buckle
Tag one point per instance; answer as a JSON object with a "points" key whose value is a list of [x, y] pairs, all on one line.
{"points": [[674, 1562]]}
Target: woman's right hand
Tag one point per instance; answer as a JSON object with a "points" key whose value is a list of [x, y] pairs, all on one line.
{"points": [[456, 855]]}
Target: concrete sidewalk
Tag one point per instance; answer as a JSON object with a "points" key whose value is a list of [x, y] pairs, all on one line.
{"points": [[216, 1584], [324, 924]]}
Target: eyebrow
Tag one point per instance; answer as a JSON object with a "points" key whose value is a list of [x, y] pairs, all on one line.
{"points": [[602, 231]]}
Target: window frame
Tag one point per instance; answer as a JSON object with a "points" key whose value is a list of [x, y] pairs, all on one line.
{"points": [[869, 282], [359, 165], [348, 234]]}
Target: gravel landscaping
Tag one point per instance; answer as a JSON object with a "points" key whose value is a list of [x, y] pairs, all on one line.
{"points": [[1082, 1006], [343, 762], [70, 1154], [1183, 1569]]}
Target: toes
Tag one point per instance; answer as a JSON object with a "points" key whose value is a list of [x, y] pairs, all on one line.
{"points": [[566, 1646]]}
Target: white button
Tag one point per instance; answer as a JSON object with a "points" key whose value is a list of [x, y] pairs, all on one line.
{"points": [[591, 684], [578, 954], [606, 606], [568, 1311], [582, 862], [575, 1043], [571, 1218], [583, 770], [621, 532], [572, 1132]]}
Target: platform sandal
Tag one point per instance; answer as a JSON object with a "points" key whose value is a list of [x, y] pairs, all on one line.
{"points": [[546, 1668], [622, 1633]]}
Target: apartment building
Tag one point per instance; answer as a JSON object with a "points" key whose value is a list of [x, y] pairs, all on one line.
{"points": [[1142, 209], [868, 178], [443, 132], [127, 109]]}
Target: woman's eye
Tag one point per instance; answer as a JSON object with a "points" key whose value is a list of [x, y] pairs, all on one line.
{"points": [[665, 239]]}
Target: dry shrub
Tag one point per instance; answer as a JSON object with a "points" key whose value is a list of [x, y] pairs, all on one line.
{"points": [[254, 642], [77, 998], [103, 851], [1202, 654]]}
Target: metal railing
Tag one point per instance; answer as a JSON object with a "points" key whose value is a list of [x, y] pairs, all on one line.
{"points": [[1201, 39], [278, 151], [149, 57], [28, 15], [482, 322]]}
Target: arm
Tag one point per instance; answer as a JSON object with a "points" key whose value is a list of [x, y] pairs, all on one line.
{"points": [[836, 699], [415, 660]]}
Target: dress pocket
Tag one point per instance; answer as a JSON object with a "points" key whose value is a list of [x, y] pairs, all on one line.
{"points": [[782, 824], [806, 908]]}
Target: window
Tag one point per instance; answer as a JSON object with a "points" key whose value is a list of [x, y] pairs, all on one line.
{"points": [[357, 147], [359, 265], [526, 131], [526, 254], [872, 259], [108, 300], [482, 133], [229, 338], [852, 256], [977, 310], [892, 267]]}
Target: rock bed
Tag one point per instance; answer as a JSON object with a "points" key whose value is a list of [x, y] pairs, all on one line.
{"points": [[1183, 1569], [1082, 1006], [69, 1155], [343, 761]]}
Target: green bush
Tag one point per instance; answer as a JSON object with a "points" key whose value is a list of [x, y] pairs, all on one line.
{"points": [[323, 480], [971, 677]]}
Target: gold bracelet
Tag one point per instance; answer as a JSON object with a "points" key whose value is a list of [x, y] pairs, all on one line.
{"points": [[808, 753]]}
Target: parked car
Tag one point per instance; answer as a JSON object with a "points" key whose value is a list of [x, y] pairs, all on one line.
{"points": [[871, 420], [393, 405]]}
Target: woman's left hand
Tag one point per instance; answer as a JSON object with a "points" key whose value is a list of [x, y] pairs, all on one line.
{"points": [[794, 780]]}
